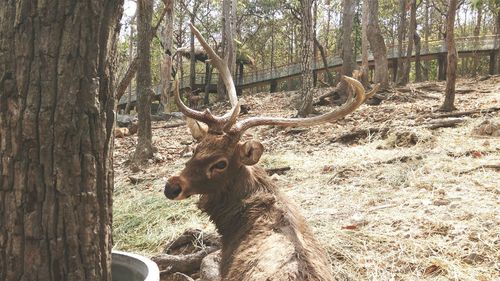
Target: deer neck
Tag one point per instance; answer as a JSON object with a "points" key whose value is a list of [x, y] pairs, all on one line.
{"points": [[233, 209]]}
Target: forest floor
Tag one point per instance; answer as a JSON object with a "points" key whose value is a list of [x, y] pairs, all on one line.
{"points": [[402, 201]]}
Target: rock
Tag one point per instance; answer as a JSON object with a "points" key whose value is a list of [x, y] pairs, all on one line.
{"points": [[441, 202], [124, 120]]}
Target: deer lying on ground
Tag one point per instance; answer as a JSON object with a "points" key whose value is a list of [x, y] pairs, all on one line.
{"points": [[264, 236]]}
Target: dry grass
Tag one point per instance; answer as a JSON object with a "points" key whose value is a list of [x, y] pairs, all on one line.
{"points": [[384, 209]]}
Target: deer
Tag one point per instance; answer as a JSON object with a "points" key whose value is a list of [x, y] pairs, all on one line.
{"points": [[264, 236]]}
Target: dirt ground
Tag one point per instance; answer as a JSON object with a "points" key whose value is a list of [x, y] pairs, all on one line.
{"points": [[404, 201]]}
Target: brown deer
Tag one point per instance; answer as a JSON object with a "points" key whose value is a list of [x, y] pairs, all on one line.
{"points": [[264, 236]]}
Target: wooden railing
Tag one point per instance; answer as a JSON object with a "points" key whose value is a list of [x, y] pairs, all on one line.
{"points": [[463, 44]]}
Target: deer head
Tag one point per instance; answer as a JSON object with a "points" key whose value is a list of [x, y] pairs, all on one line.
{"points": [[220, 154]]}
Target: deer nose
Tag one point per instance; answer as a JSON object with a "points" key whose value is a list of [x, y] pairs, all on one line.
{"points": [[171, 191]]}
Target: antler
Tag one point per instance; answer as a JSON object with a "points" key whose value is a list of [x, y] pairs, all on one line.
{"points": [[351, 104], [225, 123], [215, 124]]}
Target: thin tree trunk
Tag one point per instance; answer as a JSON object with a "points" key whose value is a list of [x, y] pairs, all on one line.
{"points": [[405, 77], [418, 66], [364, 44], [448, 104], [166, 67], [322, 52], [306, 92], [144, 148], [378, 47], [401, 38], [228, 44], [131, 56], [347, 42], [427, 64], [477, 32], [56, 134]]}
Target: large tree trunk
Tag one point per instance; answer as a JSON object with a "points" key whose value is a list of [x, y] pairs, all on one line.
{"points": [[377, 45], [451, 68], [166, 65], [401, 38], [307, 91], [56, 134], [144, 148], [405, 77]]}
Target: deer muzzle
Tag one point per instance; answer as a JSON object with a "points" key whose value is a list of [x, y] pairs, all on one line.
{"points": [[174, 189]]}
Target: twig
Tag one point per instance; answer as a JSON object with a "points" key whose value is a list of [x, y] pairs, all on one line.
{"points": [[277, 170], [486, 166], [463, 113]]}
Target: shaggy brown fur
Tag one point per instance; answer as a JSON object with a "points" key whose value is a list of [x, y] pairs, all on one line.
{"points": [[264, 236]]}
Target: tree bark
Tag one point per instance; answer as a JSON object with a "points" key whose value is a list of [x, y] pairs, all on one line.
{"points": [[228, 44], [401, 38], [364, 44], [405, 77], [418, 66], [347, 44], [166, 66], [427, 64], [378, 47], [448, 104], [477, 32], [56, 134], [144, 148], [306, 92], [131, 56]]}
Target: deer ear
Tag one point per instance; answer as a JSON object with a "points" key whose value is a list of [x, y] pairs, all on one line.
{"points": [[197, 129], [250, 152]]}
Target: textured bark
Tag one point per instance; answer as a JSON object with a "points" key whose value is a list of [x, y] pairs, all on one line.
{"points": [[405, 75], [347, 42], [378, 47], [228, 44], [306, 92], [401, 38], [477, 32], [451, 68], [131, 56], [418, 66], [144, 148], [364, 44], [427, 64], [56, 135], [166, 66]]}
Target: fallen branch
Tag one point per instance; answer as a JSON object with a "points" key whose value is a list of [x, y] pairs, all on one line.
{"points": [[443, 123], [463, 113], [363, 133], [277, 170], [182, 263], [486, 166], [171, 125]]}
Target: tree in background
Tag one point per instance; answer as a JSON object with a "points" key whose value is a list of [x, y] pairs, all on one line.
{"points": [[306, 91], [144, 148], [377, 45], [56, 130], [451, 68], [167, 37]]}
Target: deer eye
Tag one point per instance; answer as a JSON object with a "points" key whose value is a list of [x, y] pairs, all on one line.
{"points": [[220, 165]]}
